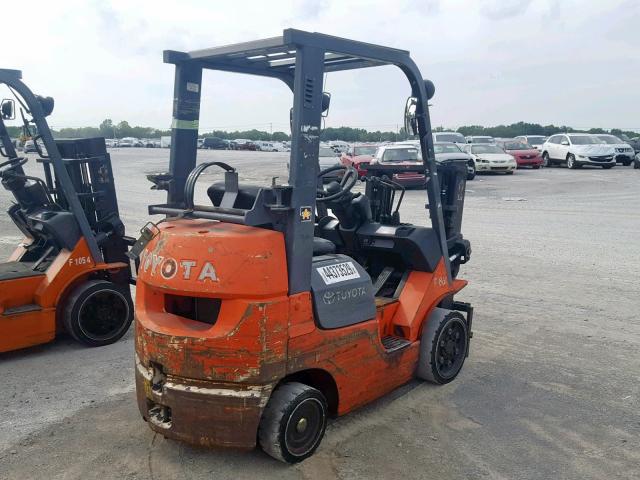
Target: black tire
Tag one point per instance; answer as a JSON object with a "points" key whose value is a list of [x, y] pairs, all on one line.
{"points": [[510, 172], [98, 312], [607, 167], [293, 422], [536, 167], [636, 164], [443, 347], [571, 162], [471, 175], [626, 163], [546, 161]]}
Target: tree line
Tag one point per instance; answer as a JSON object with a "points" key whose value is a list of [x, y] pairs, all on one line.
{"points": [[109, 129]]}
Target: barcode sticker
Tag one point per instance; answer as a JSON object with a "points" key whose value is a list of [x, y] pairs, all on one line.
{"points": [[338, 272]]}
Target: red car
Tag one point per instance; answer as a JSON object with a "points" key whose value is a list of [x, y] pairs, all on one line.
{"points": [[359, 156], [525, 155], [397, 156]]}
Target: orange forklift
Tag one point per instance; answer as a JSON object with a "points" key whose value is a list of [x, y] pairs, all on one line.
{"points": [[271, 308], [71, 271]]}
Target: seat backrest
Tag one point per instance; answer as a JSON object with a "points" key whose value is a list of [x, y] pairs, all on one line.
{"points": [[246, 195]]}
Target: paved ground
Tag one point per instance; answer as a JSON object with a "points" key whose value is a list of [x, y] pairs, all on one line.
{"points": [[551, 390]]}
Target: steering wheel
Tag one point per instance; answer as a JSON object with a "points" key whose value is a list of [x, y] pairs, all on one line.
{"points": [[337, 190], [12, 164]]}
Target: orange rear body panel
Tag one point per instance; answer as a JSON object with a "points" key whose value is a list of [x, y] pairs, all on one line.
{"points": [[262, 335], [41, 295]]}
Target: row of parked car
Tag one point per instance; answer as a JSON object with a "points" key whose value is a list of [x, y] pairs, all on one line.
{"points": [[131, 142], [215, 143], [572, 149], [487, 154]]}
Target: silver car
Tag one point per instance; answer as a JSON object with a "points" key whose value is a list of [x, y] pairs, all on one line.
{"points": [[624, 153]]}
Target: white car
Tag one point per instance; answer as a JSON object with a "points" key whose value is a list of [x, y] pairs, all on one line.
{"points": [[576, 150], [453, 137], [624, 152], [491, 158], [536, 141], [480, 139]]}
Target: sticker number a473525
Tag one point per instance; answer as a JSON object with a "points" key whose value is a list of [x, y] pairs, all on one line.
{"points": [[338, 272]]}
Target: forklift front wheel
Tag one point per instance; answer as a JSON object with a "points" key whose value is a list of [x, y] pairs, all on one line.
{"points": [[98, 312], [443, 347], [293, 422]]}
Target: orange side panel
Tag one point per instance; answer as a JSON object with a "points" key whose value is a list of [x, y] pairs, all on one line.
{"points": [[27, 329], [354, 356], [421, 293], [18, 291], [67, 268]]}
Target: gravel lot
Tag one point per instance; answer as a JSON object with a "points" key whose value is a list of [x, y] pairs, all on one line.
{"points": [[551, 389]]}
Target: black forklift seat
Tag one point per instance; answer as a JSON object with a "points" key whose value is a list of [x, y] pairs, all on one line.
{"points": [[322, 246], [246, 195]]}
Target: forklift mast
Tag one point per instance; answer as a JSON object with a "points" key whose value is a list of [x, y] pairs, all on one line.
{"points": [[78, 178], [300, 59]]}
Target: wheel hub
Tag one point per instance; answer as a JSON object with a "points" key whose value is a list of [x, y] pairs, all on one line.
{"points": [[302, 425]]}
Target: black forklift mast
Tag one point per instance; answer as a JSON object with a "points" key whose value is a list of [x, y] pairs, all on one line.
{"points": [[299, 59], [78, 180]]}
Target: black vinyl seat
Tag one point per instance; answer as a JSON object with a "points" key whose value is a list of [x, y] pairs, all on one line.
{"points": [[245, 200], [322, 246]]}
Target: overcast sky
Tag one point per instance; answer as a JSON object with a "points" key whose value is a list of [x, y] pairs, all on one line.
{"points": [[564, 62]]}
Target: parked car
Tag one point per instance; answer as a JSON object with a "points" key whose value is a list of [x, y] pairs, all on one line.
{"points": [[359, 156], [150, 143], [244, 144], [327, 158], [29, 146], [214, 143], [453, 137], [576, 150], [491, 158], [450, 151], [624, 152], [480, 139], [536, 141], [111, 142], [525, 154], [635, 143], [128, 142], [401, 154]]}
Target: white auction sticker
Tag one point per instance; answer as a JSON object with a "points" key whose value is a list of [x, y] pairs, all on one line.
{"points": [[193, 87], [338, 272]]}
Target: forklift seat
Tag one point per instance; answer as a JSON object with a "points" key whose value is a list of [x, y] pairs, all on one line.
{"points": [[322, 246], [246, 195]]}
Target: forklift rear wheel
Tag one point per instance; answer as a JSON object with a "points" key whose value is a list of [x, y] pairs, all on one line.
{"points": [[98, 312], [293, 422], [443, 348]]}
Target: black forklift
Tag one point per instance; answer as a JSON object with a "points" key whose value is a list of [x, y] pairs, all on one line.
{"points": [[71, 271]]}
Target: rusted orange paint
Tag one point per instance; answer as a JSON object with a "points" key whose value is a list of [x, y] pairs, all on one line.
{"points": [[261, 334]]}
